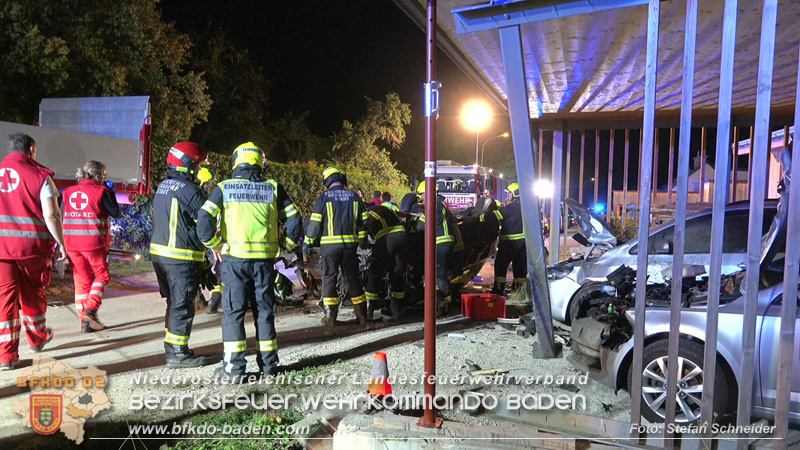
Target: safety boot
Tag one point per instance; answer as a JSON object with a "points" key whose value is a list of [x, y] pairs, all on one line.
{"points": [[331, 311], [184, 360], [361, 314], [90, 322], [214, 303], [442, 305], [370, 309], [499, 288]]}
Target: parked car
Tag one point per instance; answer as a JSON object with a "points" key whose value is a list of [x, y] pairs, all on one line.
{"points": [[603, 347], [571, 281]]}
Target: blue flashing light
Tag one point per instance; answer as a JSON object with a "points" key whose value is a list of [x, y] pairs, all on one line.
{"points": [[599, 208]]}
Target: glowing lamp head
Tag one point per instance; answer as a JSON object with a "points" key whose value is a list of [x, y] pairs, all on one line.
{"points": [[476, 115], [543, 189]]}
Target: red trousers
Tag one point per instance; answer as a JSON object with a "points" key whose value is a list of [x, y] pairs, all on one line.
{"points": [[22, 285], [90, 271]]}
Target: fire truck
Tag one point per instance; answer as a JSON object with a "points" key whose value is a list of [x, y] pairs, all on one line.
{"points": [[462, 186]]}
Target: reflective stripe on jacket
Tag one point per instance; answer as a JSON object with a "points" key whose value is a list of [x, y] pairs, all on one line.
{"points": [[175, 208], [337, 219], [86, 223]]}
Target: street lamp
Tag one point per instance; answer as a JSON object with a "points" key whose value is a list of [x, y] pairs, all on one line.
{"points": [[504, 135], [475, 116]]}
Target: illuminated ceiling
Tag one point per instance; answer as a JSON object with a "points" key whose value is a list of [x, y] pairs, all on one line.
{"points": [[592, 65]]}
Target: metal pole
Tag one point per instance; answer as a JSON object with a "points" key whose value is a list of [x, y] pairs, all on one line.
{"points": [[519, 116], [789, 308], [625, 179], [717, 218], [477, 146], [565, 219], [759, 150], [610, 194], [703, 142], [555, 202], [687, 92], [644, 203], [428, 419], [670, 169], [540, 150], [596, 166], [580, 163], [750, 163], [655, 169], [735, 174]]}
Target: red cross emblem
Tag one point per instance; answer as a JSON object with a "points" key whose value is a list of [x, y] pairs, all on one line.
{"points": [[78, 200], [9, 179]]}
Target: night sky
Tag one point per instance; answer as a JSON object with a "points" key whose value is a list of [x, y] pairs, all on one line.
{"points": [[326, 56]]}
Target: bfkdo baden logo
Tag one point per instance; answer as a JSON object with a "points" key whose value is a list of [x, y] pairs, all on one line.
{"points": [[61, 397], [46, 413]]}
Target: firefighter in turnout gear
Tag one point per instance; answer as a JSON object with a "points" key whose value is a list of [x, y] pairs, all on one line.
{"points": [[388, 255], [338, 220], [511, 249], [29, 220], [446, 241], [252, 209], [176, 252], [87, 207]]}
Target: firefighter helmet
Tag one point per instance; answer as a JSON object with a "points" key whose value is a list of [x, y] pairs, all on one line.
{"points": [[186, 157], [514, 189], [248, 153], [421, 188], [332, 175]]}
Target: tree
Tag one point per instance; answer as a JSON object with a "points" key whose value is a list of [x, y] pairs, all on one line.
{"points": [[294, 141], [239, 92], [357, 146], [86, 48]]}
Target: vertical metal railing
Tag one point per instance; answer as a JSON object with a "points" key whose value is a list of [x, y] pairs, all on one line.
{"points": [[644, 203], [735, 171], [789, 308], [540, 150], [655, 168], [555, 201], [625, 179], [610, 199], [671, 168], [596, 166], [703, 153], [718, 218], [759, 146], [565, 217], [580, 163], [679, 235]]}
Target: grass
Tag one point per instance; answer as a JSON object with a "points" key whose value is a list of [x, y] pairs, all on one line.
{"points": [[272, 440], [123, 269]]}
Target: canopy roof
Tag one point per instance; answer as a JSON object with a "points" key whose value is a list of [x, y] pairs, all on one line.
{"points": [[591, 65]]}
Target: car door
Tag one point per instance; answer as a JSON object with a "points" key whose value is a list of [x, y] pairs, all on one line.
{"points": [[767, 346]]}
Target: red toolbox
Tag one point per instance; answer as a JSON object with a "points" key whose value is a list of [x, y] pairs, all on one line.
{"points": [[483, 306]]}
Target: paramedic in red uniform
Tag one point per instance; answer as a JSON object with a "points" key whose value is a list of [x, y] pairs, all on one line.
{"points": [[87, 207], [29, 219]]}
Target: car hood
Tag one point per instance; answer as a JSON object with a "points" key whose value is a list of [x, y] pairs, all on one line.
{"points": [[592, 226]]}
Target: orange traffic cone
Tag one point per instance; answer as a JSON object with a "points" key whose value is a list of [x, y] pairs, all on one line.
{"points": [[379, 380]]}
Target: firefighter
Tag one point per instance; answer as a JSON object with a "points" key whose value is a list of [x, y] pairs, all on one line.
{"points": [[446, 241], [388, 255], [212, 270], [252, 208], [87, 207], [338, 220], [30, 214], [511, 249], [175, 250]]}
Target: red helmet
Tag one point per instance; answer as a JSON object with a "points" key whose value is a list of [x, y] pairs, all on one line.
{"points": [[187, 156]]}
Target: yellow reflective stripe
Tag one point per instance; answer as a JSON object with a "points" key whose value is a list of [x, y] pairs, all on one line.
{"points": [[176, 253], [358, 300], [308, 240], [316, 217], [211, 208], [520, 280], [329, 207], [498, 214], [290, 244], [421, 218], [482, 218], [457, 279], [388, 230], [364, 216], [215, 241], [173, 222], [289, 211], [175, 339], [338, 239], [444, 239], [362, 234], [234, 346], [373, 214], [445, 230], [330, 301], [398, 295], [355, 220], [268, 346], [371, 296], [512, 237]]}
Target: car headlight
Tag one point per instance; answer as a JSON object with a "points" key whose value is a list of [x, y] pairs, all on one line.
{"points": [[558, 272]]}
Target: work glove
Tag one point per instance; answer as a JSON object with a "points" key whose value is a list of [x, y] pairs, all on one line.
{"points": [[111, 186], [306, 249]]}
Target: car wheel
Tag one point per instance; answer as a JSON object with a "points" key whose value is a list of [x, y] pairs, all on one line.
{"points": [[689, 397], [579, 306]]}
